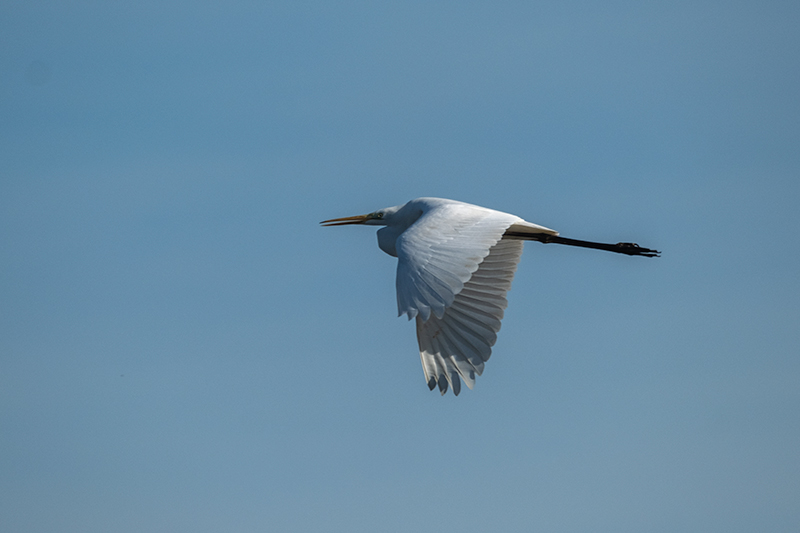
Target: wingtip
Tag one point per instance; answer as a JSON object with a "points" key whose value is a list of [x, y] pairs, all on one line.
{"points": [[442, 384]]}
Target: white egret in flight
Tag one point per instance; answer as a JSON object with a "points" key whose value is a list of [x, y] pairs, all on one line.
{"points": [[455, 265]]}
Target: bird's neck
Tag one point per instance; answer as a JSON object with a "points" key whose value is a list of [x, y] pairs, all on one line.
{"points": [[387, 239]]}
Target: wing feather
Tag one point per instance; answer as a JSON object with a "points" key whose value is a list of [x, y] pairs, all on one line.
{"points": [[472, 327], [458, 343]]}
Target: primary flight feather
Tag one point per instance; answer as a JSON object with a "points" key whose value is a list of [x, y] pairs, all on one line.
{"points": [[455, 265]]}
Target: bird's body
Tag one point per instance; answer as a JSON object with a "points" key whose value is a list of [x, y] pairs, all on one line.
{"points": [[455, 265]]}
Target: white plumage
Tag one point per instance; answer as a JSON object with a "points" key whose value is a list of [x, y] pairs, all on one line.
{"points": [[455, 265]]}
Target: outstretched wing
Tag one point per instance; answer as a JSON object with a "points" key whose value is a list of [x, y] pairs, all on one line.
{"points": [[458, 343], [454, 269]]}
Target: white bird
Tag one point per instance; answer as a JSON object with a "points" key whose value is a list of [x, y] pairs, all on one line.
{"points": [[455, 265]]}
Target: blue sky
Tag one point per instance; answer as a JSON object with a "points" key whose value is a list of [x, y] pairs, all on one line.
{"points": [[184, 348]]}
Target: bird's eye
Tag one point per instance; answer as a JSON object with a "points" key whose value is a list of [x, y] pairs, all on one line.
{"points": [[377, 215]]}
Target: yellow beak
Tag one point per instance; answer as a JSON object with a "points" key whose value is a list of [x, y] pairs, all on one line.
{"points": [[358, 219]]}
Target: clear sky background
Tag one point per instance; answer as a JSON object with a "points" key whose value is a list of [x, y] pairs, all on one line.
{"points": [[183, 348]]}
